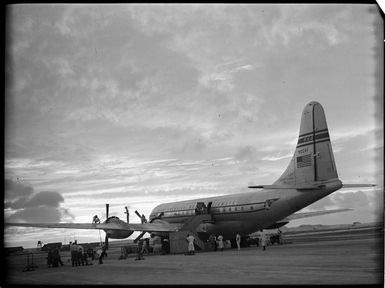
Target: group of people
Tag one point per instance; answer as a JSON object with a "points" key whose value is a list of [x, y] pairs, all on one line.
{"points": [[216, 242], [79, 257], [53, 258], [160, 245]]}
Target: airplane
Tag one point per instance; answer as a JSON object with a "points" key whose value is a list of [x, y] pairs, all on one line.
{"points": [[310, 176]]}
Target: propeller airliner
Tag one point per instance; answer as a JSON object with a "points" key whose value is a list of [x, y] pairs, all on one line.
{"points": [[310, 176]]}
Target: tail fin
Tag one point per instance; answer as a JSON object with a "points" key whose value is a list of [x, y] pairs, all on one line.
{"points": [[313, 160]]}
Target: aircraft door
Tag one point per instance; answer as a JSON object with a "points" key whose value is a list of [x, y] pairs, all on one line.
{"points": [[200, 208], [209, 207]]}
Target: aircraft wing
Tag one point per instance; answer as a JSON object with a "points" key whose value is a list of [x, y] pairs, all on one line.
{"points": [[145, 227], [312, 214], [295, 216]]}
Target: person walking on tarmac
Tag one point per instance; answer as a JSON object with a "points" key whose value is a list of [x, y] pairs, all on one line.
{"points": [[102, 254], [238, 240], [263, 239], [190, 239], [145, 246]]}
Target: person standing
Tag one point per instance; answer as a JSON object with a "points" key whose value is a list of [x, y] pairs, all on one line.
{"points": [[213, 242], [263, 240], [139, 255], [280, 237], [56, 256], [145, 247], [166, 246], [190, 239], [74, 253], [50, 258], [238, 240], [220, 242], [96, 220], [102, 254], [80, 255]]}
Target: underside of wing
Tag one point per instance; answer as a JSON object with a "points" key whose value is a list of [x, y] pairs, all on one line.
{"points": [[155, 227], [306, 187], [147, 227], [110, 226]]}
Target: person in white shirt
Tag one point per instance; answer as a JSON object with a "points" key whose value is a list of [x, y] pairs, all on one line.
{"points": [[263, 238], [238, 240], [190, 239], [220, 242]]}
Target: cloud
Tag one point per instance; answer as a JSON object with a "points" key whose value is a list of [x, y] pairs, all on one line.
{"points": [[14, 190], [246, 153], [23, 204], [276, 158], [42, 214], [369, 201]]}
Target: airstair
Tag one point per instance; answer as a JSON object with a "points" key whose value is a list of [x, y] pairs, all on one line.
{"points": [[178, 243]]}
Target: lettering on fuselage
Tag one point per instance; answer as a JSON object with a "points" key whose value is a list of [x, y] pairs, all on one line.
{"points": [[309, 138], [304, 150]]}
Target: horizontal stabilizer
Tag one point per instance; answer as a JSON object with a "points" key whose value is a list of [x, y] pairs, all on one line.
{"points": [[313, 214], [308, 187], [357, 185]]}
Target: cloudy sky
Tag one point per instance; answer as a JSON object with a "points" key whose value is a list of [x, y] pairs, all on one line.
{"points": [[135, 105]]}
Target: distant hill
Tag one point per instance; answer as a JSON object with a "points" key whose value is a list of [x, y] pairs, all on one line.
{"points": [[319, 227]]}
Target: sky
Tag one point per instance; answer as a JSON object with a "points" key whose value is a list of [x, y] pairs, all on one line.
{"points": [[141, 104]]}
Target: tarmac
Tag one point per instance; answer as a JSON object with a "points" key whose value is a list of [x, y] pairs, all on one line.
{"points": [[317, 258]]}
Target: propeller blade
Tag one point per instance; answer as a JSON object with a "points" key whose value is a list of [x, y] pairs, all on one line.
{"points": [[107, 208], [140, 236], [106, 241], [137, 213]]}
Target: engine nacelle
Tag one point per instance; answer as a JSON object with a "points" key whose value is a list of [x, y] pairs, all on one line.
{"points": [[117, 234]]}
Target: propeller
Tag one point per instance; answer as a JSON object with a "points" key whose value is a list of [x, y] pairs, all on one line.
{"points": [[142, 217], [143, 220], [106, 239], [140, 236]]}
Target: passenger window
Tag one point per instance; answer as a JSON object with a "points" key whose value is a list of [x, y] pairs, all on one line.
{"points": [[251, 207], [229, 209]]}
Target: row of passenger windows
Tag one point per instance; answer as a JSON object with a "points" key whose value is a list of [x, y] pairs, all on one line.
{"points": [[214, 210], [192, 206]]}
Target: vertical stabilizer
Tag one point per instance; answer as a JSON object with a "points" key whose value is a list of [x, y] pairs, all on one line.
{"points": [[313, 160]]}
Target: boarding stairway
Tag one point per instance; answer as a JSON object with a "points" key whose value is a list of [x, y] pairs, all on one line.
{"points": [[178, 242]]}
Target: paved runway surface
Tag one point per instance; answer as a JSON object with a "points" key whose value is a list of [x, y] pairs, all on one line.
{"points": [[340, 257]]}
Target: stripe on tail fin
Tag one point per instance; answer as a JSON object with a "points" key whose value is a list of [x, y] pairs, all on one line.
{"points": [[313, 160]]}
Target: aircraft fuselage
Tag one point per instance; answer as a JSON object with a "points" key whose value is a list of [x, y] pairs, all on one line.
{"points": [[244, 213]]}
